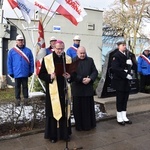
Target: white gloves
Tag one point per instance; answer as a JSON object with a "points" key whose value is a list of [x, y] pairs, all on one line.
{"points": [[129, 77], [129, 62]]}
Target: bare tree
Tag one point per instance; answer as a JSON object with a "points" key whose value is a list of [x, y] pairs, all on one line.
{"points": [[126, 19]]}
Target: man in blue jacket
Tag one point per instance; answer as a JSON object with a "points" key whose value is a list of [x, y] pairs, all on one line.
{"points": [[20, 65], [72, 51], [144, 69], [50, 49]]}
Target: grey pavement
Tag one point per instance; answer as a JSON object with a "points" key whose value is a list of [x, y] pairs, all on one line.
{"points": [[108, 135]]}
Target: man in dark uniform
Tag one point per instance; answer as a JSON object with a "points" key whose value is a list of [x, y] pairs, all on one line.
{"points": [[56, 126], [121, 81]]}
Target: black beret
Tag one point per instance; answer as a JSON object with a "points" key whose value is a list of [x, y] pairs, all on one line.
{"points": [[121, 42]]}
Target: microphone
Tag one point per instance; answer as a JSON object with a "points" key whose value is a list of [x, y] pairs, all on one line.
{"points": [[63, 54]]}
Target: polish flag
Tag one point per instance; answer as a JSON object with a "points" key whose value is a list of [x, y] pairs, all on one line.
{"points": [[40, 51], [43, 8], [72, 10], [13, 3]]}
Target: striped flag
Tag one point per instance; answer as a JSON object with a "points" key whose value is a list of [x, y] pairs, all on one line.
{"points": [[43, 8], [72, 10], [13, 3], [41, 50]]}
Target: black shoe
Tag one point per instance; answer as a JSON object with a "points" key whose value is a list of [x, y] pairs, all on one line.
{"points": [[53, 141], [128, 122], [17, 102], [26, 102], [122, 123]]}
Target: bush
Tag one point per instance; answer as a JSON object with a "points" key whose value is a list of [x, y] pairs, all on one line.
{"points": [[37, 85]]}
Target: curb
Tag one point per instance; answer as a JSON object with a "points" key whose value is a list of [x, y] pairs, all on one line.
{"points": [[36, 131]]}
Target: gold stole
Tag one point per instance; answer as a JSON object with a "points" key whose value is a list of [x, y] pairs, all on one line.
{"points": [[53, 88]]}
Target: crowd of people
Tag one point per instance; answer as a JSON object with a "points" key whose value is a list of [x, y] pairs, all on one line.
{"points": [[73, 72], [60, 80]]}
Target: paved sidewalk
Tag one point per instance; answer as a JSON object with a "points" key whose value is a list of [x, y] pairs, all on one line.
{"points": [[108, 135]]}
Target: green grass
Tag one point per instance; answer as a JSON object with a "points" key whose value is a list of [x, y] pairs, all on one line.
{"points": [[7, 95]]}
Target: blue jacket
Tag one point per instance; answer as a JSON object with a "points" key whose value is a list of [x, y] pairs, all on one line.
{"points": [[143, 66], [49, 50], [71, 51], [17, 66]]}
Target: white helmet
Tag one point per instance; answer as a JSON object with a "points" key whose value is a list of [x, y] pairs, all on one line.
{"points": [[77, 37]]}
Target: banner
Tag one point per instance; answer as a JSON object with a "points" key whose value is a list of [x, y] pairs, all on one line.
{"points": [[13, 3], [43, 8], [27, 9], [72, 10]]}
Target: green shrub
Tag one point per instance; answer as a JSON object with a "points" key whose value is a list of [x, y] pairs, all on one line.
{"points": [[36, 85]]}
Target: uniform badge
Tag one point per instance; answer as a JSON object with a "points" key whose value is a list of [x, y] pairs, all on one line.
{"points": [[113, 58]]}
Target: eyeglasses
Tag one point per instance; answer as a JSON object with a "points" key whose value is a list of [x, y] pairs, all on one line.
{"points": [[77, 40], [59, 48]]}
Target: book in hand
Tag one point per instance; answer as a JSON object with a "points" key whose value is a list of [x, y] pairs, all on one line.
{"points": [[69, 68]]}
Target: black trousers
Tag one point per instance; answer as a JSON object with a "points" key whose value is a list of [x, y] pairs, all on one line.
{"points": [[144, 80], [24, 83], [121, 100]]}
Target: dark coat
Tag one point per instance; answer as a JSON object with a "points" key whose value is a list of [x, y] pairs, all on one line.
{"points": [[119, 80], [51, 128], [60, 82], [85, 68]]}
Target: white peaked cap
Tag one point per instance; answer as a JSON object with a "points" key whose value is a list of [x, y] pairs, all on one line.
{"points": [[76, 37], [146, 48], [53, 38], [19, 37]]}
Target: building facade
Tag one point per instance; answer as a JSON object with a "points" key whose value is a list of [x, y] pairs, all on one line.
{"points": [[90, 31]]}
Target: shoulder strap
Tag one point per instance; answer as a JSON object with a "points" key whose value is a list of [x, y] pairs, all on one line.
{"points": [[74, 48], [21, 54], [146, 59]]}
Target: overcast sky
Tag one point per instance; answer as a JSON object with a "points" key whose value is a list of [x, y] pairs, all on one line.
{"points": [[99, 4]]}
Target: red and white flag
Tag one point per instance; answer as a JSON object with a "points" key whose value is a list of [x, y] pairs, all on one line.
{"points": [[26, 8], [13, 3], [43, 8], [72, 10], [41, 50]]}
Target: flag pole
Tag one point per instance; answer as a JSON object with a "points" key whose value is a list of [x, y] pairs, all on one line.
{"points": [[49, 10], [49, 19], [34, 75]]}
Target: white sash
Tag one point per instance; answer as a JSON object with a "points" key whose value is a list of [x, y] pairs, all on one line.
{"points": [[146, 59], [21, 53]]}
